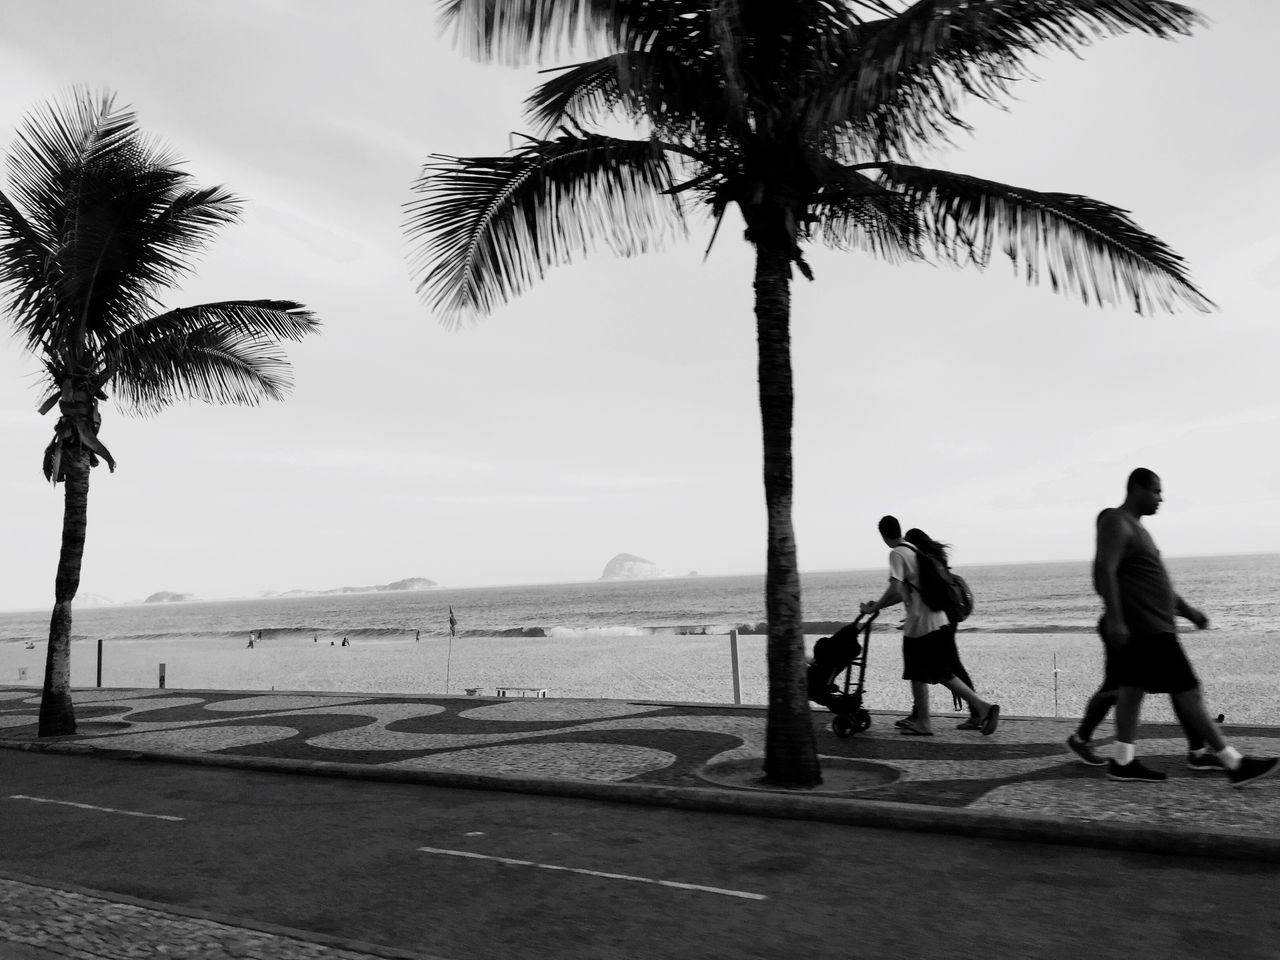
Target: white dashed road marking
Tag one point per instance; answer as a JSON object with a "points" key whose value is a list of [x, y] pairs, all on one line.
{"points": [[595, 873], [90, 806]]}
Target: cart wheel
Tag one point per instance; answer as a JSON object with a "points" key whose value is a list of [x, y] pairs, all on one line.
{"points": [[843, 726], [862, 720]]}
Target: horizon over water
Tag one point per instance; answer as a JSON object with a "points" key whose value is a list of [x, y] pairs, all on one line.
{"points": [[307, 593], [1237, 592]]}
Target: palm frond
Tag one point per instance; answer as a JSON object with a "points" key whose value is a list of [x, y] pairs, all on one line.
{"points": [[518, 32], [114, 214], [226, 352], [24, 256], [486, 227], [1083, 247], [902, 79], [853, 211], [673, 96]]}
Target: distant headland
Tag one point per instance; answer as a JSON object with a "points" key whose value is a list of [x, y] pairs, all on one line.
{"points": [[168, 596], [627, 566], [409, 583]]}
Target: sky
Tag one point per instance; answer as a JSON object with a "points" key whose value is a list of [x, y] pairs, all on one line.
{"points": [[613, 408]]}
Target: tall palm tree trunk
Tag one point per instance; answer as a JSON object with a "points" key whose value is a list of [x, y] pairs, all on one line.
{"points": [[57, 714], [791, 753]]}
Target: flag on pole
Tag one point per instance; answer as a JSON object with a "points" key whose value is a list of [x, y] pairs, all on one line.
{"points": [[453, 621]]}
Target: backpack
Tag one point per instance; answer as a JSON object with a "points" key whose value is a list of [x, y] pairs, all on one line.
{"points": [[941, 589]]}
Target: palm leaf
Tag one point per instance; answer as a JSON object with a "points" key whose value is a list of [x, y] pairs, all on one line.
{"points": [[902, 79], [24, 256], [853, 211], [227, 352], [486, 227], [1084, 247], [676, 96], [113, 214], [520, 31]]}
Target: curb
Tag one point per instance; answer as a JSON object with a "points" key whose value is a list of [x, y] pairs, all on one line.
{"points": [[789, 806]]}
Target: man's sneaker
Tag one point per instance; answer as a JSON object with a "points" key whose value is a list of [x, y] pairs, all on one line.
{"points": [[1251, 769], [1201, 762], [1134, 772], [1085, 752]]}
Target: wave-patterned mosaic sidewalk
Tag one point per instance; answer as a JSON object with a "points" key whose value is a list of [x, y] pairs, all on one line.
{"points": [[1024, 768]]}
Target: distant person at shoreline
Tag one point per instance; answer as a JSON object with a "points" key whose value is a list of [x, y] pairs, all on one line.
{"points": [[926, 646], [1139, 627], [417, 635], [345, 643]]}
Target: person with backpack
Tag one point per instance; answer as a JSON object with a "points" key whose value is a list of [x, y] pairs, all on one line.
{"points": [[937, 552], [928, 633]]}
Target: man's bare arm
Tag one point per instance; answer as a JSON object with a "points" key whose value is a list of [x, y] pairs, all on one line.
{"points": [[1113, 535], [1189, 612], [891, 595]]}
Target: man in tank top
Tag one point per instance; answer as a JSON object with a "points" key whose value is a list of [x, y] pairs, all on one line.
{"points": [[1139, 627]]}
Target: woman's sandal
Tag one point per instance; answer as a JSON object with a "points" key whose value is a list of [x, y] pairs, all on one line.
{"points": [[990, 720]]}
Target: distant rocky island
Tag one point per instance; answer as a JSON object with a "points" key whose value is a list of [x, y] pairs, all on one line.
{"points": [[627, 566], [166, 596], [409, 583], [92, 600]]}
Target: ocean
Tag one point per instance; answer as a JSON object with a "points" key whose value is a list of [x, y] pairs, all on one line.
{"points": [[1030, 644], [1239, 593]]}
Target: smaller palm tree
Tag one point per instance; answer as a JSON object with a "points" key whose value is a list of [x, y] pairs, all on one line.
{"points": [[97, 221]]}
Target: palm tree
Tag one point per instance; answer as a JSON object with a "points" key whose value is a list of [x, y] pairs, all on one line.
{"points": [[806, 115], [97, 221]]}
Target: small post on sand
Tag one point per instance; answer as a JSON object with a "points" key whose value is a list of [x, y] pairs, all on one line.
{"points": [[162, 676], [733, 656], [1055, 683], [99, 661], [448, 660]]}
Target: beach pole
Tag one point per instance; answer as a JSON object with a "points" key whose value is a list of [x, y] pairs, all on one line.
{"points": [[99, 661], [733, 656], [453, 626], [1055, 683]]}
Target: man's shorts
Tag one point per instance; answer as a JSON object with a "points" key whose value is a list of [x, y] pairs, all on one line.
{"points": [[1154, 662], [927, 659]]}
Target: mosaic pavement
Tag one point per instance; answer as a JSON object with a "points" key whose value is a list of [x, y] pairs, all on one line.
{"points": [[1023, 769], [41, 921]]}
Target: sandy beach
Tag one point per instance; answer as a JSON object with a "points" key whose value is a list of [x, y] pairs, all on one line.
{"points": [[1237, 668]]}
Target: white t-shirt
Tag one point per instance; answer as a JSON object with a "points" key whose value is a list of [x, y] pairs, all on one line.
{"points": [[904, 569]]}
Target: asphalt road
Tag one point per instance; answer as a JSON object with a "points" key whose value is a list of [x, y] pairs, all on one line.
{"points": [[431, 870]]}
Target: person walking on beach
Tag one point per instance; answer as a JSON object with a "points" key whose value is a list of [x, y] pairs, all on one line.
{"points": [[1139, 626], [926, 657], [923, 544], [1200, 757]]}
